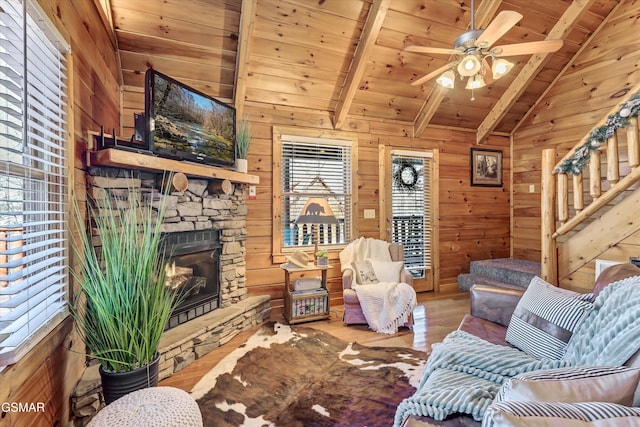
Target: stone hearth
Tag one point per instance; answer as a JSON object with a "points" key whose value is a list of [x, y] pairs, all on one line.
{"points": [[196, 208]]}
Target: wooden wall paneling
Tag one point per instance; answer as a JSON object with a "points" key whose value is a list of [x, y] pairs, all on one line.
{"points": [[454, 162], [49, 372], [577, 101]]}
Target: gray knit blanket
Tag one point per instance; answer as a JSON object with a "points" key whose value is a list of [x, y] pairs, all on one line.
{"points": [[464, 373]]}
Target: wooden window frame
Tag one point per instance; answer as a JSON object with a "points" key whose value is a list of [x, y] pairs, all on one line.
{"points": [[278, 254]]}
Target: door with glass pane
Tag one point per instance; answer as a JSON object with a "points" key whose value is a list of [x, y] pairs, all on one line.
{"points": [[409, 213]]}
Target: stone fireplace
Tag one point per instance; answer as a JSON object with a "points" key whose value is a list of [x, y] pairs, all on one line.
{"points": [[205, 230]]}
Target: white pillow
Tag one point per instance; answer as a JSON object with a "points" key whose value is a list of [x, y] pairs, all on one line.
{"points": [[387, 271], [364, 272], [536, 414], [573, 384]]}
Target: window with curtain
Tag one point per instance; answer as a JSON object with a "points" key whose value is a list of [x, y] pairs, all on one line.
{"points": [[410, 206], [33, 183], [314, 168]]}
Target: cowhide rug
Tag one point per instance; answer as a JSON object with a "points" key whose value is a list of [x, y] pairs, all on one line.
{"points": [[299, 376]]}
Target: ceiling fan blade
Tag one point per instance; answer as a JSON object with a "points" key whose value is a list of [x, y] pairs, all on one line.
{"points": [[431, 75], [529, 48], [498, 27], [427, 49]]}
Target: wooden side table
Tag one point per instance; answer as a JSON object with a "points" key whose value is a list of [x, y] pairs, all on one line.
{"points": [[305, 306]]}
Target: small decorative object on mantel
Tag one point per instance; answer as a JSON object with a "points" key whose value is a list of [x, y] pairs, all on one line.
{"points": [[242, 146], [220, 186], [322, 258], [178, 182]]}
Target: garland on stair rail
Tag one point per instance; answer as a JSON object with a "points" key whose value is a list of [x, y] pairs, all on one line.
{"points": [[620, 119]]}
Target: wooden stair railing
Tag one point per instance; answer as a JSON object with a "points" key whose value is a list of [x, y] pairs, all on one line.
{"points": [[556, 192]]}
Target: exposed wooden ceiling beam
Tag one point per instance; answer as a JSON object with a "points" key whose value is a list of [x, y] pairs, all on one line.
{"points": [[564, 25], [245, 35], [483, 16], [372, 26]]}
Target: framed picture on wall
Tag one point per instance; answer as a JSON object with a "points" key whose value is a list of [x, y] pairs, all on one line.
{"points": [[486, 167]]}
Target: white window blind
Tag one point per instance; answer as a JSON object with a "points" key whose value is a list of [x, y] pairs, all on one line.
{"points": [[410, 206], [33, 183], [313, 167]]}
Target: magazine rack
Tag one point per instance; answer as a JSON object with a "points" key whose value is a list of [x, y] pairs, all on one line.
{"points": [[307, 305]]}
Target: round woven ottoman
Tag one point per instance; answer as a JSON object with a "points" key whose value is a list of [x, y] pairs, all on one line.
{"points": [[153, 406]]}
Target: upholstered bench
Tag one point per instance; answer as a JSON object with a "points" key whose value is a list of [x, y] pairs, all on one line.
{"points": [[153, 406]]}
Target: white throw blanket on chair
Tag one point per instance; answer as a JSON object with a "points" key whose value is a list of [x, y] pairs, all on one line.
{"points": [[385, 305]]}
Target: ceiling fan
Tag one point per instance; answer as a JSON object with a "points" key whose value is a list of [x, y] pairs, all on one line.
{"points": [[473, 51]]}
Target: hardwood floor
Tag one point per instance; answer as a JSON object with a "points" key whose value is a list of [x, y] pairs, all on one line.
{"points": [[435, 316]]}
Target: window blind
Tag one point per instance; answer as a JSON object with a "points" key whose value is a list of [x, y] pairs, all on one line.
{"points": [[315, 168], [410, 206], [33, 184]]}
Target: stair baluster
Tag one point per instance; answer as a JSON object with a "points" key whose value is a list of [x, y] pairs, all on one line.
{"points": [[613, 160], [633, 148], [595, 186], [578, 193]]}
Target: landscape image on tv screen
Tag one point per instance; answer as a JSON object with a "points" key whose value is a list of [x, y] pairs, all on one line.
{"points": [[188, 122]]}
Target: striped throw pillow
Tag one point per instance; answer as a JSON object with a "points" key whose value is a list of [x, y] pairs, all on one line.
{"points": [[545, 318], [613, 384], [536, 414]]}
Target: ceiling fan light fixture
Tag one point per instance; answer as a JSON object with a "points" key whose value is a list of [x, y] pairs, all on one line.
{"points": [[475, 82], [469, 65], [446, 79], [500, 67]]}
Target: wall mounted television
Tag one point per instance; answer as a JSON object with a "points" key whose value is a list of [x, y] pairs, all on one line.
{"points": [[186, 124]]}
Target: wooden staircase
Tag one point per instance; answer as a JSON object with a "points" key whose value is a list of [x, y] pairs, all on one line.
{"points": [[590, 198]]}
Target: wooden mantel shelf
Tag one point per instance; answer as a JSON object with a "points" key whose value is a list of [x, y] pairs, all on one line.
{"points": [[127, 159]]}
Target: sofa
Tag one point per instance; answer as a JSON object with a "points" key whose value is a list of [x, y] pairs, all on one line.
{"points": [[491, 312]]}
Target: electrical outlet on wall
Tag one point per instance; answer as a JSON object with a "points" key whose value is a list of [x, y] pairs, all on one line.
{"points": [[603, 264], [369, 213]]}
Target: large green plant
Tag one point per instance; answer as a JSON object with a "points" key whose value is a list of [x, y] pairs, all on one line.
{"points": [[123, 304]]}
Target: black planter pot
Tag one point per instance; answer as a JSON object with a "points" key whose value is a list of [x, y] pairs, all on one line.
{"points": [[117, 384]]}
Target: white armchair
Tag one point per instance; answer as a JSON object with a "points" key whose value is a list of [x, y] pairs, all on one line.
{"points": [[353, 313]]}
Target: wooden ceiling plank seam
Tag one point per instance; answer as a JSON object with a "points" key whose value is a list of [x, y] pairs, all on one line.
{"points": [[245, 33], [567, 21], [567, 67], [350, 9], [201, 13], [485, 13], [372, 26], [146, 44]]}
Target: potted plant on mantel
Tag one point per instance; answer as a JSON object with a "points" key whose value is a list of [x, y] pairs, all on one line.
{"points": [[123, 304], [242, 146]]}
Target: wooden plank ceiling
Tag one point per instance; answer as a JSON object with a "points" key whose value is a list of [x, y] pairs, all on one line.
{"points": [[346, 57]]}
